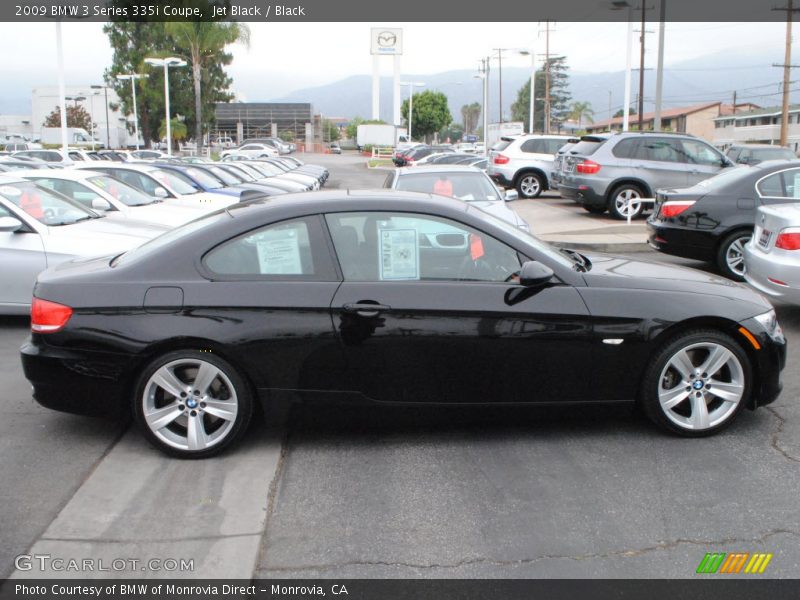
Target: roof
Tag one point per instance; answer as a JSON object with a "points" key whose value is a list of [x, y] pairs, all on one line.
{"points": [[6, 179], [669, 113], [68, 174], [771, 111]]}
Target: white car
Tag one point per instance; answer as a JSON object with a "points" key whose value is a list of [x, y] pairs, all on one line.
{"points": [[102, 192], [251, 151], [48, 156], [149, 154], [161, 183], [772, 257], [39, 229]]}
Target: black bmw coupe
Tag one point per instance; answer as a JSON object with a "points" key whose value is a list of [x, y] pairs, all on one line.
{"points": [[389, 297]]}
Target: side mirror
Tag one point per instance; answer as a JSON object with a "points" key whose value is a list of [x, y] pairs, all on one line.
{"points": [[160, 192], [511, 195], [101, 204], [10, 224], [535, 274]]}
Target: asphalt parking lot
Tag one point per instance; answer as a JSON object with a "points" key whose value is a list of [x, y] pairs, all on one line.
{"points": [[336, 491]]}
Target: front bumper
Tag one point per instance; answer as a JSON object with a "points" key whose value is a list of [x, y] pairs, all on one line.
{"points": [[760, 267], [80, 382], [769, 361]]}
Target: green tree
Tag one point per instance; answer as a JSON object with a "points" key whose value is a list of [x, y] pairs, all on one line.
{"points": [[351, 131], [580, 112], [621, 112], [204, 40], [330, 132], [470, 113], [453, 132], [178, 131], [431, 113], [76, 117], [559, 96]]}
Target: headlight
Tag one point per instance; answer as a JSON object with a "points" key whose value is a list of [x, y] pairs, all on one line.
{"points": [[769, 321]]}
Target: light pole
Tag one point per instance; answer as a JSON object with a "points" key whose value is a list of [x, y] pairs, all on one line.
{"points": [[626, 111], [133, 77], [171, 61], [411, 85], [531, 109], [62, 101], [92, 94], [108, 120]]}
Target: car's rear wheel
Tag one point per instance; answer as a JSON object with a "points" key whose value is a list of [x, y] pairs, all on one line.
{"points": [[529, 185], [730, 255], [697, 384], [595, 210], [192, 404], [626, 198]]}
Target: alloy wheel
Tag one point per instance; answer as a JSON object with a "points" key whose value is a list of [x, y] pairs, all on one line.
{"points": [[190, 404], [701, 386], [529, 186], [734, 255], [628, 200]]}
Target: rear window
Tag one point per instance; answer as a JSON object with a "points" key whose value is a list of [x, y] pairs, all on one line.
{"points": [[501, 145], [588, 145]]}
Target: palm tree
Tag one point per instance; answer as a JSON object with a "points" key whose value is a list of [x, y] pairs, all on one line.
{"points": [[580, 111], [204, 40], [177, 128]]}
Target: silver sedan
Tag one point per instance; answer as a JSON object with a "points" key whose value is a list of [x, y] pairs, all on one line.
{"points": [[772, 257], [40, 228]]}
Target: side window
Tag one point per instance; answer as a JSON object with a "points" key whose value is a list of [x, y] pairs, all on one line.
{"points": [[772, 186], [287, 250], [75, 156], [386, 246], [70, 189], [534, 146], [791, 182], [625, 148], [733, 154], [554, 145], [698, 153], [660, 150]]}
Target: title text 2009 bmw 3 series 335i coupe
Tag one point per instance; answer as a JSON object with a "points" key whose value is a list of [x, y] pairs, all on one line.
{"points": [[392, 297]]}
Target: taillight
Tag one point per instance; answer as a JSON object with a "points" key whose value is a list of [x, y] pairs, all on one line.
{"points": [[587, 167], [501, 159], [673, 208], [788, 239], [48, 317]]}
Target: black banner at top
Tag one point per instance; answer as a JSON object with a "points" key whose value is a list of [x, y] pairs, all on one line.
{"points": [[396, 11]]}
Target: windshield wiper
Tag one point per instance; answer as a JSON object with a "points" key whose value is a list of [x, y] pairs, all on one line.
{"points": [[582, 263]]}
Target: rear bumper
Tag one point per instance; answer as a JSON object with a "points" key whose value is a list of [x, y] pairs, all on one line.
{"points": [[582, 194], [760, 267], [77, 382], [686, 243]]}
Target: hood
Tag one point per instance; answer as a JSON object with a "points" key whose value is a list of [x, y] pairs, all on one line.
{"points": [[499, 210], [165, 214], [622, 272], [98, 237], [205, 200]]}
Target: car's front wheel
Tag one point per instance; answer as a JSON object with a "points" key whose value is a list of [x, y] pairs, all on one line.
{"points": [[530, 185], [730, 255], [697, 384], [192, 404]]}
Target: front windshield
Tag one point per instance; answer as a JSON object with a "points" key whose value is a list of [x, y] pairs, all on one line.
{"points": [[726, 177], [46, 206], [464, 186], [222, 174], [121, 191], [204, 179], [178, 184], [251, 171], [269, 168], [528, 238]]}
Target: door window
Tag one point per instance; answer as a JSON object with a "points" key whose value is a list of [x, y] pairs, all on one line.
{"points": [[785, 184], [660, 150], [406, 246], [287, 250], [71, 189], [698, 153]]}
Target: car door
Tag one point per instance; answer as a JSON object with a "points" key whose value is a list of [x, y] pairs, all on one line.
{"points": [[429, 311], [22, 256], [702, 160], [277, 283], [658, 162]]}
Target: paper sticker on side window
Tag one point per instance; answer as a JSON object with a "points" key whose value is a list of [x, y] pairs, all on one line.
{"points": [[399, 254], [279, 253]]}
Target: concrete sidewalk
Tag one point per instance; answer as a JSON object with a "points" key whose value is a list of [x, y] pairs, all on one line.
{"points": [[565, 223]]}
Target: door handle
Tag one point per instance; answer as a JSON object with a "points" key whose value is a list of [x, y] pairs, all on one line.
{"points": [[365, 309]]}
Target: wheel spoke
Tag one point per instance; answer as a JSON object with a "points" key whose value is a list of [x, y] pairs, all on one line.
{"points": [[167, 381], [161, 417], [672, 397], [196, 433], [205, 377], [682, 363], [717, 359], [699, 412], [730, 392], [222, 409]]}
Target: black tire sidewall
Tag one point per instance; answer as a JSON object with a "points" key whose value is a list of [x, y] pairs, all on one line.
{"points": [[519, 185], [243, 395], [649, 392], [612, 206]]}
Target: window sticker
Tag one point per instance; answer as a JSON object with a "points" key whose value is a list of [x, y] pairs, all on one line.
{"points": [[279, 253], [796, 189], [399, 254]]}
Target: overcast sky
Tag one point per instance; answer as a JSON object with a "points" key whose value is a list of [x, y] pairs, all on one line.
{"points": [[287, 56]]}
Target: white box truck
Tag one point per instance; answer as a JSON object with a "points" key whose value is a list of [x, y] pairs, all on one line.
{"points": [[498, 130], [76, 136]]}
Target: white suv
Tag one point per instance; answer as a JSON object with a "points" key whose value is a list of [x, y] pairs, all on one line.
{"points": [[524, 162]]}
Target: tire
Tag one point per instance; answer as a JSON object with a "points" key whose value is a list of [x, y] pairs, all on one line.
{"points": [[675, 391], [529, 185], [618, 197], [730, 257], [595, 210], [186, 424]]}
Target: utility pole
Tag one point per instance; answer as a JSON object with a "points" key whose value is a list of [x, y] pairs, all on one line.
{"points": [[641, 66], [547, 111], [734, 102], [660, 69], [787, 73]]}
